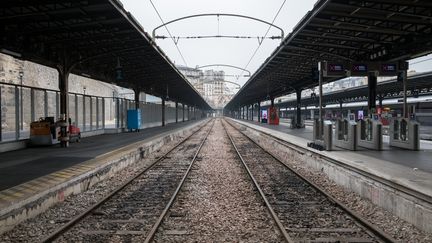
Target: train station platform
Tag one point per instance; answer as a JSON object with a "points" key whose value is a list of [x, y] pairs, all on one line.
{"points": [[421, 160], [35, 178], [395, 179], [23, 165]]}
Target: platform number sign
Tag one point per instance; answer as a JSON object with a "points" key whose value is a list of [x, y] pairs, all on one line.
{"points": [[359, 69], [347, 69], [335, 68], [386, 68]]}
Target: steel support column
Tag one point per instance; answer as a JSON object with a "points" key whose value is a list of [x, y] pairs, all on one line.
{"points": [[405, 83], [372, 85], [64, 87], [117, 111], [194, 113], [176, 113], [17, 113], [103, 112], [183, 112], [137, 98], [247, 112], [32, 105], [163, 111], [46, 103], [298, 119], [380, 101], [76, 110], [320, 83], [259, 111], [1, 132], [91, 113], [188, 113], [97, 113]]}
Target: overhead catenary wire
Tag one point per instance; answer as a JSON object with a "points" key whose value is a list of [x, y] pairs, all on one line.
{"points": [[265, 35], [219, 36], [169, 33]]}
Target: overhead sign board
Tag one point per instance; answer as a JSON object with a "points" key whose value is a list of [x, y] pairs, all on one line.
{"points": [[388, 68], [361, 69]]}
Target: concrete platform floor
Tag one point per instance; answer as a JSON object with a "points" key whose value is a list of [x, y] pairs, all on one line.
{"points": [[421, 160], [20, 166]]}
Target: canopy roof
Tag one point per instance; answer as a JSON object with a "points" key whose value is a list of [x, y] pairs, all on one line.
{"points": [[92, 37], [341, 30]]}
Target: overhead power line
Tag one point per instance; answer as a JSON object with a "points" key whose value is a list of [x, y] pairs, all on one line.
{"points": [[265, 35], [175, 43]]}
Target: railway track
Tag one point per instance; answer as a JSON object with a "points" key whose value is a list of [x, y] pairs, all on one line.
{"points": [[134, 210], [303, 212], [218, 202]]}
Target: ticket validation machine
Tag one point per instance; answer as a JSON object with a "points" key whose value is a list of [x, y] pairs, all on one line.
{"points": [[404, 133], [370, 134], [346, 133], [322, 135], [292, 123]]}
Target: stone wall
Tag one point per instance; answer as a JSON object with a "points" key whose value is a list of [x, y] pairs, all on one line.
{"points": [[39, 76]]}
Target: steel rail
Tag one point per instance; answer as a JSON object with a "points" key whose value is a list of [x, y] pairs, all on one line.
{"points": [[267, 203], [362, 221], [155, 227], [76, 219]]}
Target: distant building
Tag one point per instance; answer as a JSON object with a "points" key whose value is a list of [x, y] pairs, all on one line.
{"points": [[194, 76], [209, 83]]}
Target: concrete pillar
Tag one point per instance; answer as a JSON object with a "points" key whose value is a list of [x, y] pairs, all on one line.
{"points": [[372, 85], [176, 113], [163, 111], [298, 121]]}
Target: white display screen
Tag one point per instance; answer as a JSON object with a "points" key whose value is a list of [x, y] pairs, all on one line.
{"points": [[264, 114], [360, 115]]}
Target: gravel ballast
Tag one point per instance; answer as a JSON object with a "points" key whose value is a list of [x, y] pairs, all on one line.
{"points": [[218, 202]]}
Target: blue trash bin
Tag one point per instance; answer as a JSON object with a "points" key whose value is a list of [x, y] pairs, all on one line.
{"points": [[133, 120]]}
